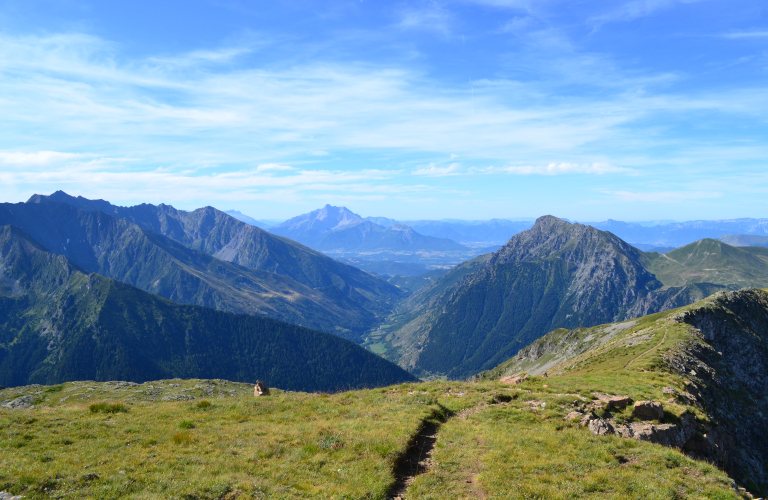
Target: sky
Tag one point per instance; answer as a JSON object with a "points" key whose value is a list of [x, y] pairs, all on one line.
{"points": [[468, 109]]}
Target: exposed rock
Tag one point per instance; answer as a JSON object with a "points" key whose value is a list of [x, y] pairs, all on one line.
{"points": [[7, 496], [586, 419], [668, 390], [513, 379], [260, 389], [672, 435], [22, 403], [574, 415], [648, 410], [616, 402], [729, 359], [600, 427], [178, 397]]}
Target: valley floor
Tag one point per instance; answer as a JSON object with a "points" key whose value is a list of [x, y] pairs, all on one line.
{"points": [[211, 439]]}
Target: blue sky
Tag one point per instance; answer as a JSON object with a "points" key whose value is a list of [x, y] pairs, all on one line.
{"points": [[473, 109]]}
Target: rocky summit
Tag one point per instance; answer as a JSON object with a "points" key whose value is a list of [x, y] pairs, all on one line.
{"points": [[556, 274]]}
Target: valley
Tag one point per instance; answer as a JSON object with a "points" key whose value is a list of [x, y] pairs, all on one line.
{"points": [[185, 309]]}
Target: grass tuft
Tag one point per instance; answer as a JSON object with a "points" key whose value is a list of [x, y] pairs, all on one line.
{"points": [[108, 408]]}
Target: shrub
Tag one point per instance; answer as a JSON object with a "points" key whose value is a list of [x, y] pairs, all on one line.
{"points": [[186, 424], [204, 404], [108, 408]]}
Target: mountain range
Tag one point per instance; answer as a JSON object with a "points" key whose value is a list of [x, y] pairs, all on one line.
{"points": [[60, 323], [263, 224], [340, 231], [207, 258], [677, 234], [554, 275]]}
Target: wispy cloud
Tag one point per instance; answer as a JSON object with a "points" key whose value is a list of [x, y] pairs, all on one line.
{"points": [[428, 18], [635, 9], [272, 166], [745, 34], [557, 169], [38, 158], [662, 196], [435, 171]]}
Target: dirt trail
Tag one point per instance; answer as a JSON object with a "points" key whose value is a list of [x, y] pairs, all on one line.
{"points": [[416, 459], [663, 339]]}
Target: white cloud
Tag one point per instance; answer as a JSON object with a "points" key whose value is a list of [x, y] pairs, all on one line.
{"points": [[745, 34], [432, 18], [38, 158], [635, 9], [272, 166], [565, 168], [435, 171], [662, 196]]}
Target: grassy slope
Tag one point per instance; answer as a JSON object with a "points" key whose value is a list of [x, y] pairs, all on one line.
{"points": [[298, 445], [710, 261]]}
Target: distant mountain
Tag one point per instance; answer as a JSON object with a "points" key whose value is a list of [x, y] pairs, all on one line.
{"points": [[467, 232], [298, 284], [339, 231], [58, 324], [744, 240], [678, 234], [652, 248], [554, 275], [712, 261], [263, 224], [483, 232]]}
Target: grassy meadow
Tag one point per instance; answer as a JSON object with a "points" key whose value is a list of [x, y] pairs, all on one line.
{"points": [[102, 440]]}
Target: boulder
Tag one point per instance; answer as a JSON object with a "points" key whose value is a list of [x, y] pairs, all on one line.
{"points": [[574, 415], [672, 435], [614, 402], [648, 410], [260, 389], [600, 427], [513, 379], [22, 403]]}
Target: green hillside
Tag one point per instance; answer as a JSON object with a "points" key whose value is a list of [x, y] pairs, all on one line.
{"points": [[59, 323], [119, 249], [435, 440], [710, 261], [744, 240], [555, 275], [715, 352]]}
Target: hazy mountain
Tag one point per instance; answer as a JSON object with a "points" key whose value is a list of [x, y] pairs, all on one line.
{"points": [[58, 323], [338, 231], [744, 240], [468, 232], [311, 227], [263, 224], [712, 261], [554, 275], [482, 232], [122, 250], [677, 234]]}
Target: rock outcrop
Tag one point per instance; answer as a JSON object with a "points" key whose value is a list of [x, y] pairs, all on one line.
{"points": [[648, 410], [727, 376], [22, 403]]}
